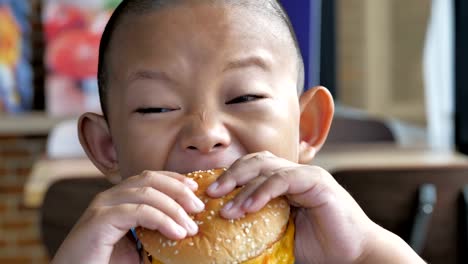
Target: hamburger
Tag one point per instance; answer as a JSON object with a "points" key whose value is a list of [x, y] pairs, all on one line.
{"points": [[266, 236]]}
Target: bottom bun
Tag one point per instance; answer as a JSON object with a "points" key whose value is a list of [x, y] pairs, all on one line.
{"points": [[281, 251]]}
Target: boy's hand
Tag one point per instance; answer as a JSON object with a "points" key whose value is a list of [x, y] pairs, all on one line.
{"points": [[154, 200], [330, 226]]}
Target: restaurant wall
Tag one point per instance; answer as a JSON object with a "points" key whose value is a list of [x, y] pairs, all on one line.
{"points": [[19, 226]]}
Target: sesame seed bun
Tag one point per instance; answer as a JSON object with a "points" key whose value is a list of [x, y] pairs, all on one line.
{"points": [[266, 236]]}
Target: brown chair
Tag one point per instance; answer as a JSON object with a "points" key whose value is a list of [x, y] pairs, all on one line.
{"points": [[354, 129], [390, 198], [63, 205]]}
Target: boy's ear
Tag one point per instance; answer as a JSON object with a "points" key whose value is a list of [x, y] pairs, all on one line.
{"points": [[97, 142], [316, 116]]}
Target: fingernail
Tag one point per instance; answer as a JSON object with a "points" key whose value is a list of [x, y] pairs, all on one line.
{"points": [[180, 230], [199, 205], [228, 206], [213, 187], [248, 203], [189, 224], [192, 227], [191, 183]]}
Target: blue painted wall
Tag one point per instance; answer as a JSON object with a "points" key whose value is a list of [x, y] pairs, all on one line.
{"points": [[305, 17]]}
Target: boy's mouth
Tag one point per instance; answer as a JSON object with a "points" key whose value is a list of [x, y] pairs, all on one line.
{"points": [[188, 161], [195, 163]]}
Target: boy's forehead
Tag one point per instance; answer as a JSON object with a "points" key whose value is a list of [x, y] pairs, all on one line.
{"points": [[210, 22], [199, 32]]}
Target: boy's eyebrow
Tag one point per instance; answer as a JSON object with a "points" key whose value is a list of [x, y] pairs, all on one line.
{"points": [[149, 75], [260, 61]]}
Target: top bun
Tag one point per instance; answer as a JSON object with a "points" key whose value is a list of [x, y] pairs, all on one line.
{"points": [[220, 240]]}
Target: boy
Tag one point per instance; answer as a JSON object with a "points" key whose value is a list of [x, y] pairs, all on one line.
{"points": [[193, 85]]}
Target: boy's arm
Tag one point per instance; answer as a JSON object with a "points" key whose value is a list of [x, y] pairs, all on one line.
{"points": [[330, 225], [154, 200], [386, 247]]}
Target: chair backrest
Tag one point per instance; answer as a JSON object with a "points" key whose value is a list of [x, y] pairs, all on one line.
{"points": [[352, 129], [64, 203], [389, 197]]}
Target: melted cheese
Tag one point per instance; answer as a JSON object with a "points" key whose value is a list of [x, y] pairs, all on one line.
{"points": [[280, 252]]}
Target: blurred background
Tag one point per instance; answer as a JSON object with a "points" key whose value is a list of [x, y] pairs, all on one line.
{"points": [[394, 67]]}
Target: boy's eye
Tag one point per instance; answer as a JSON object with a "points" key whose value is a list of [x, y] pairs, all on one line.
{"points": [[154, 110], [245, 99]]}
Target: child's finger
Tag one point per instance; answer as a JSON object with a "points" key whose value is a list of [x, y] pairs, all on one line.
{"points": [[168, 185], [159, 200], [296, 183], [233, 209], [273, 187], [125, 216], [244, 170], [148, 178]]}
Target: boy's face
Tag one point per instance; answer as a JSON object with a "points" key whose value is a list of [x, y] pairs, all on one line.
{"points": [[197, 87]]}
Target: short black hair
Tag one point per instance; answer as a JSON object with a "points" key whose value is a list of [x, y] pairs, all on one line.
{"points": [[138, 7]]}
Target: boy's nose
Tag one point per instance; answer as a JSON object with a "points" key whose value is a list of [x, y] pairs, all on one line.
{"points": [[205, 134]]}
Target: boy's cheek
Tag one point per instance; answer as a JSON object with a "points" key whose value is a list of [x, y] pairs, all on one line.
{"points": [[136, 158], [281, 140]]}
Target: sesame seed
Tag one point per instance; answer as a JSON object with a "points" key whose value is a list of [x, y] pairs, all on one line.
{"points": [[176, 252]]}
